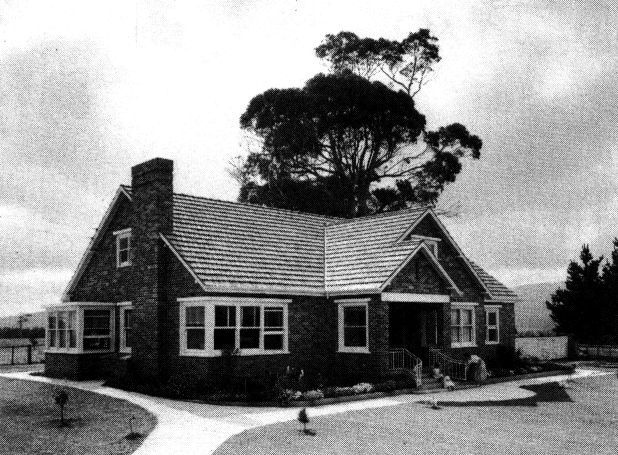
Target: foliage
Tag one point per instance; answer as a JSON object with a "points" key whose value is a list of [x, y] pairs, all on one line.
{"points": [[313, 395], [587, 306], [363, 387], [15, 332], [344, 145], [403, 64]]}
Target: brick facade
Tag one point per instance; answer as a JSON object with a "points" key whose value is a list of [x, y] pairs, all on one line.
{"points": [[157, 279]]}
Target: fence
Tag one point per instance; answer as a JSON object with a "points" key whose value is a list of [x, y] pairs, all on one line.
{"points": [[544, 348], [603, 351], [21, 355]]}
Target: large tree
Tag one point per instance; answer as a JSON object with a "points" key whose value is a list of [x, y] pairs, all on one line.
{"points": [[345, 145], [586, 306]]}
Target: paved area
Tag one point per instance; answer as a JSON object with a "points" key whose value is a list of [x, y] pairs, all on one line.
{"points": [[188, 427]]}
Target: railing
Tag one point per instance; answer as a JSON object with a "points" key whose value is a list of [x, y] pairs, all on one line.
{"points": [[21, 355], [455, 369], [400, 359]]}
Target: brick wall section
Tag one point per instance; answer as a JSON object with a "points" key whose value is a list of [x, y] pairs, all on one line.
{"points": [[152, 184], [312, 341], [418, 276], [102, 281]]}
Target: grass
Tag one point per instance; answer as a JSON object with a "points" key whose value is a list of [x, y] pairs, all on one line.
{"points": [[582, 418], [96, 424]]}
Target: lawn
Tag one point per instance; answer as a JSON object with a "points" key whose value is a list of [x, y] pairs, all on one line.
{"points": [[581, 419], [29, 421]]}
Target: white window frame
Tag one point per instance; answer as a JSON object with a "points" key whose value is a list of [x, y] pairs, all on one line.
{"points": [[56, 348], [123, 234], [464, 306], [79, 308], [492, 309], [209, 304], [123, 307], [341, 304]]}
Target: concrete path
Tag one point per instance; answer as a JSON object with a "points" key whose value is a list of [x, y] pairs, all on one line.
{"points": [[196, 428]]}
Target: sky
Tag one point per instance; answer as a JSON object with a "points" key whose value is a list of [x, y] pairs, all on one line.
{"points": [[88, 89]]}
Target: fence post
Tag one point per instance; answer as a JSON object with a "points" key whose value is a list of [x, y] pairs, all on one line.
{"points": [[29, 354], [12, 355]]}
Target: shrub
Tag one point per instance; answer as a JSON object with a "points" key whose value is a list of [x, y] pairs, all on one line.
{"points": [[313, 395], [386, 386], [363, 387], [343, 391]]}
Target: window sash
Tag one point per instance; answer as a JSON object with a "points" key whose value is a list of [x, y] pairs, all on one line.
{"points": [[463, 327], [492, 329], [97, 333], [123, 249], [251, 327], [353, 326]]}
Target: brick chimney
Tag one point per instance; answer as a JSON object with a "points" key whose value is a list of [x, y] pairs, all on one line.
{"points": [[152, 188]]}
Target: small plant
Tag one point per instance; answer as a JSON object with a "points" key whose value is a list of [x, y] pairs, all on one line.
{"points": [[61, 398], [433, 403], [132, 433], [304, 419]]}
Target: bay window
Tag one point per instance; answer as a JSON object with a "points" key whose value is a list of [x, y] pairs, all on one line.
{"points": [[463, 326], [80, 327], [353, 326], [210, 326]]}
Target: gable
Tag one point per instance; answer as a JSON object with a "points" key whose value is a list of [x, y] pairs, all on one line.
{"points": [[419, 276], [96, 277], [456, 264]]}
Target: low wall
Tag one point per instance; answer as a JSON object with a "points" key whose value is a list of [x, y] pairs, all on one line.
{"points": [[603, 351], [544, 348]]}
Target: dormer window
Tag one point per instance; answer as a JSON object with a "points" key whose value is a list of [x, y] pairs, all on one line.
{"points": [[123, 247]]}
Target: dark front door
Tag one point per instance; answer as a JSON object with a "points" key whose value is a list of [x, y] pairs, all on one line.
{"points": [[405, 327], [412, 327]]}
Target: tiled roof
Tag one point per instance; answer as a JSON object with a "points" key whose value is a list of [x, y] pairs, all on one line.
{"points": [[239, 246], [498, 290], [361, 254], [248, 246]]}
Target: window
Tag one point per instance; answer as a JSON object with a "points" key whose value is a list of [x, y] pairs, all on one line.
{"points": [[213, 325], [492, 325], [273, 329], [123, 248], [62, 330], [97, 330], [353, 326], [225, 327], [125, 328], [250, 327], [462, 327], [195, 327]]}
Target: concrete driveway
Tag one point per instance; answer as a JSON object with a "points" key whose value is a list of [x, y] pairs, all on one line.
{"points": [[188, 427]]}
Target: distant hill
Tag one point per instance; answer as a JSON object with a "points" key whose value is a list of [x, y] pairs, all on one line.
{"points": [[36, 320], [531, 312]]}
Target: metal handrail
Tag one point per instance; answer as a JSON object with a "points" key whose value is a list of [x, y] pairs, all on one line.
{"points": [[400, 359], [455, 369]]}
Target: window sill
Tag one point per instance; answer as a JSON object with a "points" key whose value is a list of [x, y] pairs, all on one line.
{"points": [[214, 354], [492, 342], [354, 351], [122, 266], [125, 350], [464, 345], [75, 351]]}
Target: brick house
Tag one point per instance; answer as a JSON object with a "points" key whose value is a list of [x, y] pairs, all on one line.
{"points": [[172, 281]]}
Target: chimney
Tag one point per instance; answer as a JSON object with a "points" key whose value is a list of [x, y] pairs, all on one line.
{"points": [[152, 192]]}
